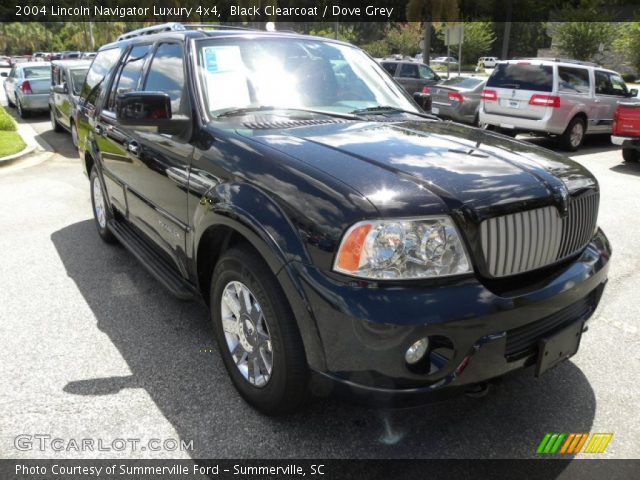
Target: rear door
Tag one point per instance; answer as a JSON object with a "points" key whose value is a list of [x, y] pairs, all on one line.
{"points": [[609, 90], [515, 85], [574, 87], [9, 84]]}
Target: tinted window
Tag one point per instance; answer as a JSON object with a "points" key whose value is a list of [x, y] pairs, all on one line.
{"points": [[408, 71], [167, 74], [522, 76], [77, 79], [130, 73], [390, 67], [101, 68], [55, 75], [573, 80]]}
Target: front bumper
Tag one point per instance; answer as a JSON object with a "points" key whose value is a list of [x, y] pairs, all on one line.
{"points": [[366, 330]]}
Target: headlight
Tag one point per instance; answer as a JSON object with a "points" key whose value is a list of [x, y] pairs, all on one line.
{"points": [[402, 249]]}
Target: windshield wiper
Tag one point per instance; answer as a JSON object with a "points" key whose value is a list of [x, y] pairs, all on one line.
{"points": [[263, 108], [380, 109]]}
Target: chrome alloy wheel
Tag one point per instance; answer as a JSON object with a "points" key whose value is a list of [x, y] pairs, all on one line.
{"points": [[98, 202], [247, 333], [577, 132]]}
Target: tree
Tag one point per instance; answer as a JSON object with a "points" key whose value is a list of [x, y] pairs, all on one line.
{"points": [[405, 38], [627, 42], [583, 40], [478, 39], [430, 11]]}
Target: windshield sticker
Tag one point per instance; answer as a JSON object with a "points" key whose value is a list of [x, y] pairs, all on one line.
{"points": [[225, 72]]}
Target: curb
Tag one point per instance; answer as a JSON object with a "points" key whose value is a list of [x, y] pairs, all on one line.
{"points": [[28, 135], [28, 150]]}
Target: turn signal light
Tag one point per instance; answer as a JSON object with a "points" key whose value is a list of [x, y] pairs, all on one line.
{"points": [[426, 90], [545, 101], [26, 87], [456, 97], [349, 257], [489, 96]]}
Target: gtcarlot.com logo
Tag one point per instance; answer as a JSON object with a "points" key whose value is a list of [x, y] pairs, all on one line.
{"points": [[44, 442], [573, 443]]}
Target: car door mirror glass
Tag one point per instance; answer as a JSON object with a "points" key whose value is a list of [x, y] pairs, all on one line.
{"points": [[62, 88], [633, 92], [4, 74]]}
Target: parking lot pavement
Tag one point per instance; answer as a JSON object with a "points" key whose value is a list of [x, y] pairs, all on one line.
{"points": [[92, 347]]}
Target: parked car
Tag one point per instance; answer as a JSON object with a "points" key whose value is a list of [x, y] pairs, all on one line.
{"points": [[88, 54], [487, 62], [20, 59], [626, 130], [565, 98], [445, 60], [412, 76], [67, 78], [5, 61], [39, 57], [27, 87], [332, 227], [457, 98]]}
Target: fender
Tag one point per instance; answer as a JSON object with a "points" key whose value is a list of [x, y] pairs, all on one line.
{"points": [[249, 211]]}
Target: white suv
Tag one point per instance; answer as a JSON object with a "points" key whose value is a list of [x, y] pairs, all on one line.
{"points": [[565, 98], [487, 62]]}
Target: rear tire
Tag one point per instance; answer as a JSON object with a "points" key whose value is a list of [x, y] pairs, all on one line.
{"points": [[277, 389], [101, 212], [573, 136], [630, 155], [23, 113]]}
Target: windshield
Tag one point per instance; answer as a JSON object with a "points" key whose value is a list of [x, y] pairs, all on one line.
{"points": [[77, 79], [37, 72], [293, 73]]}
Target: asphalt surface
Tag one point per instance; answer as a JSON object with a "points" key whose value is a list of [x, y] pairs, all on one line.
{"points": [[92, 347]]}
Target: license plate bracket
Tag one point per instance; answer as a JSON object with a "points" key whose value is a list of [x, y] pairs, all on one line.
{"points": [[557, 348]]}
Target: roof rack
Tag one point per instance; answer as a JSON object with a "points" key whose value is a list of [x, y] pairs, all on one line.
{"points": [[563, 60], [177, 27]]}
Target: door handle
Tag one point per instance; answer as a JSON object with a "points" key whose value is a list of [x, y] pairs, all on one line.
{"points": [[134, 148]]}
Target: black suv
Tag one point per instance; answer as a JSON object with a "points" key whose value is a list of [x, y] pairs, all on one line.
{"points": [[337, 232]]}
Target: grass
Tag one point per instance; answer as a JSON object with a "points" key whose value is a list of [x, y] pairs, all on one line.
{"points": [[10, 143], [6, 122]]}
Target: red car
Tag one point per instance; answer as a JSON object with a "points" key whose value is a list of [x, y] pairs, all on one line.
{"points": [[625, 130]]}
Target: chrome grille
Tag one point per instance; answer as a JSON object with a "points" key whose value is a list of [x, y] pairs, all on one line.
{"points": [[524, 241]]}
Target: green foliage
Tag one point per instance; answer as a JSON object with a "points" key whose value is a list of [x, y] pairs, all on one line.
{"points": [[582, 40], [627, 42], [6, 122], [404, 38], [378, 48], [478, 39], [10, 143]]}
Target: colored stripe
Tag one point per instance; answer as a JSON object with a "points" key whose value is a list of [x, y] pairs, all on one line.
{"points": [[593, 442], [550, 443], [582, 441], [555, 447], [543, 443], [567, 443], [606, 441]]}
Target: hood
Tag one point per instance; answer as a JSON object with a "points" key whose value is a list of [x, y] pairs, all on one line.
{"points": [[463, 166]]}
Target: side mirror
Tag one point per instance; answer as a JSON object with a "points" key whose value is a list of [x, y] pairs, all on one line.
{"points": [[149, 109], [437, 77], [62, 88], [633, 92], [4, 74], [423, 100]]}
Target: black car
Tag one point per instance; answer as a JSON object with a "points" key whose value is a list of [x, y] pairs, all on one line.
{"points": [[67, 78], [413, 76], [339, 235]]}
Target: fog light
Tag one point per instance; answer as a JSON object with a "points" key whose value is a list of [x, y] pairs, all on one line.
{"points": [[416, 351]]}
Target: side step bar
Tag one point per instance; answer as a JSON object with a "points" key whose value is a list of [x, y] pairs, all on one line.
{"points": [[151, 261]]}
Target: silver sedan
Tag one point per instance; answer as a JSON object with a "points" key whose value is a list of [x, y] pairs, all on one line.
{"points": [[27, 87]]}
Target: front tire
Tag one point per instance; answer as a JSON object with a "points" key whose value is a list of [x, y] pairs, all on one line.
{"points": [[630, 155], [573, 136], [257, 333], [74, 135], [9, 102], [101, 212]]}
